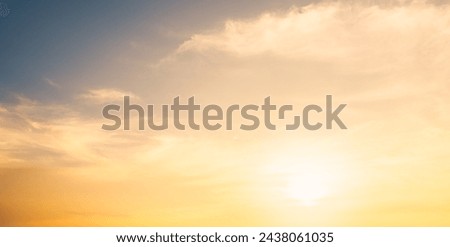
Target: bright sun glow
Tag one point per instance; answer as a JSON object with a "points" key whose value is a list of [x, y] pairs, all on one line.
{"points": [[308, 178], [308, 187]]}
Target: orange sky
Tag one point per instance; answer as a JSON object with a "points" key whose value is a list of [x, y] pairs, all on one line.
{"points": [[388, 62]]}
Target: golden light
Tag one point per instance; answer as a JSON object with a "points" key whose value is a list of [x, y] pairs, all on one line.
{"points": [[307, 177], [308, 187]]}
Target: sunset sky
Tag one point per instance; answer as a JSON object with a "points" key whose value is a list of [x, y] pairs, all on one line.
{"points": [[63, 61]]}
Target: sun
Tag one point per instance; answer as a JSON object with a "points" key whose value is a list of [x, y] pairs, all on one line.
{"points": [[305, 176], [307, 173], [308, 187]]}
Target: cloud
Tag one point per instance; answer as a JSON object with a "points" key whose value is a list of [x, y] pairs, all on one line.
{"points": [[329, 30], [60, 167], [371, 51], [373, 37], [51, 83], [106, 95]]}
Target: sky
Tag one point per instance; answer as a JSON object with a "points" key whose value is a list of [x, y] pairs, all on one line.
{"points": [[62, 61]]}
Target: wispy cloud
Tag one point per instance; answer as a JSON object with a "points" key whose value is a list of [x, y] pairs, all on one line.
{"points": [[105, 95], [51, 83]]}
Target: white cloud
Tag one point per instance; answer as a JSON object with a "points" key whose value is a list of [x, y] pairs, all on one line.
{"points": [[363, 51], [105, 95], [336, 32]]}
